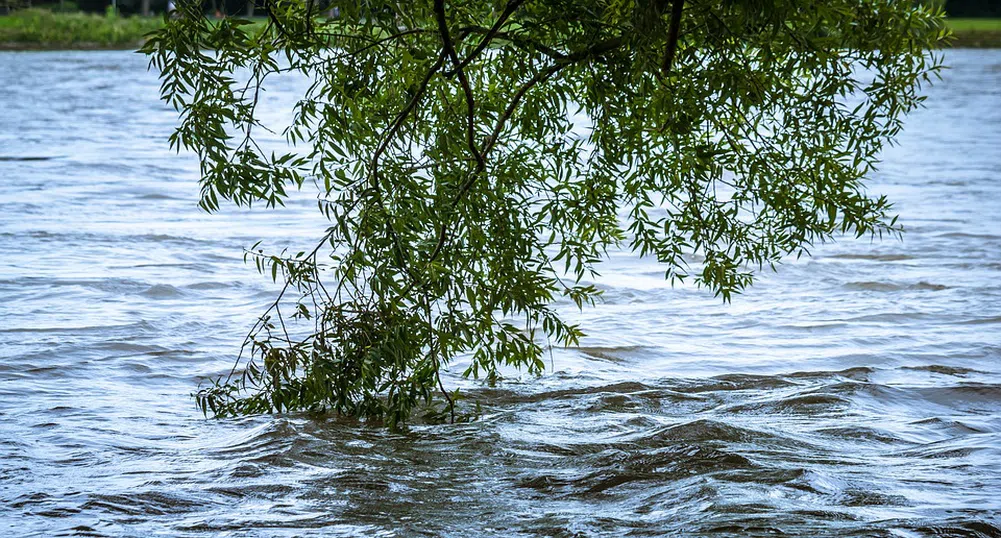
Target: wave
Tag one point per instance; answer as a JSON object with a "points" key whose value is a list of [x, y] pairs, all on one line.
{"points": [[26, 158], [889, 286], [873, 257], [162, 291], [980, 321], [957, 371]]}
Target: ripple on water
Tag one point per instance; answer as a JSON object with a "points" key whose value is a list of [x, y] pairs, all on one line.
{"points": [[858, 394]]}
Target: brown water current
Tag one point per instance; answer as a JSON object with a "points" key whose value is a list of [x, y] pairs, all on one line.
{"points": [[853, 393]]}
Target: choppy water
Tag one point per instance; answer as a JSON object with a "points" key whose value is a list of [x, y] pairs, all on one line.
{"points": [[857, 393]]}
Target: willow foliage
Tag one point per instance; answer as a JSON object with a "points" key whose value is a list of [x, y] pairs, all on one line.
{"points": [[719, 136]]}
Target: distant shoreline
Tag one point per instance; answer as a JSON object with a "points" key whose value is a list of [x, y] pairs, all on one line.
{"points": [[41, 29], [975, 33], [34, 29], [15, 46], [977, 40]]}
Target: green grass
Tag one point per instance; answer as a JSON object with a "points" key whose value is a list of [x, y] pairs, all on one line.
{"points": [[43, 29], [975, 33], [974, 25]]}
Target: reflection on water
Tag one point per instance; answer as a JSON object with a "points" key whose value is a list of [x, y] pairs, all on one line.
{"points": [[857, 393]]}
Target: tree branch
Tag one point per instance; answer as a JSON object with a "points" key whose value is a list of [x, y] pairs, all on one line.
{"points": [[446, 39], [402, 116], [490, 34], [520, 42], [672, 35]]}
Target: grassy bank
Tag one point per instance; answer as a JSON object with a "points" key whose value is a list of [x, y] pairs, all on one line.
{"points": [[43, 29], [976, 33]]}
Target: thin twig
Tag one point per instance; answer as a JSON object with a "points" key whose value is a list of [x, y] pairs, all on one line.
{"points": [[434, 360]]}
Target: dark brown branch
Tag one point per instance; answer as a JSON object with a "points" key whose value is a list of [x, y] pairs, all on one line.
{"points": [[275, 21], [441, 386], [591, 52], [540, 77], [402, 116], [394, 127], [501, 122], [520, 42], [391, 132], [491, 33], [446, 39], [309, 18], [434, 359], [262, 320], [672, 35]]}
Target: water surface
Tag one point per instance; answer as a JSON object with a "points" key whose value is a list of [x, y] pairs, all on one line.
{"points": [[855, 393]]}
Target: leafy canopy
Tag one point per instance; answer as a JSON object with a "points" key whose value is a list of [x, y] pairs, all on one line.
{"points": [[719, 136]]}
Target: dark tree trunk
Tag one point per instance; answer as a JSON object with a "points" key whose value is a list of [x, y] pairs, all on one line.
{"points": [[250, 8], [145, 8]]}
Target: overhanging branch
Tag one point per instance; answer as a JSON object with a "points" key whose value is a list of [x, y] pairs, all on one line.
{"points": [[449, 48]]}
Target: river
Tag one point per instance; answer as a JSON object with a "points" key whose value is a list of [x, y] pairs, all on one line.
{"points": [[853, 393]]}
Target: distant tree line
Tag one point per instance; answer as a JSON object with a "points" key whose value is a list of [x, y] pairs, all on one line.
{"points": [[241, 8], [973, 8], [955, 8]]}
